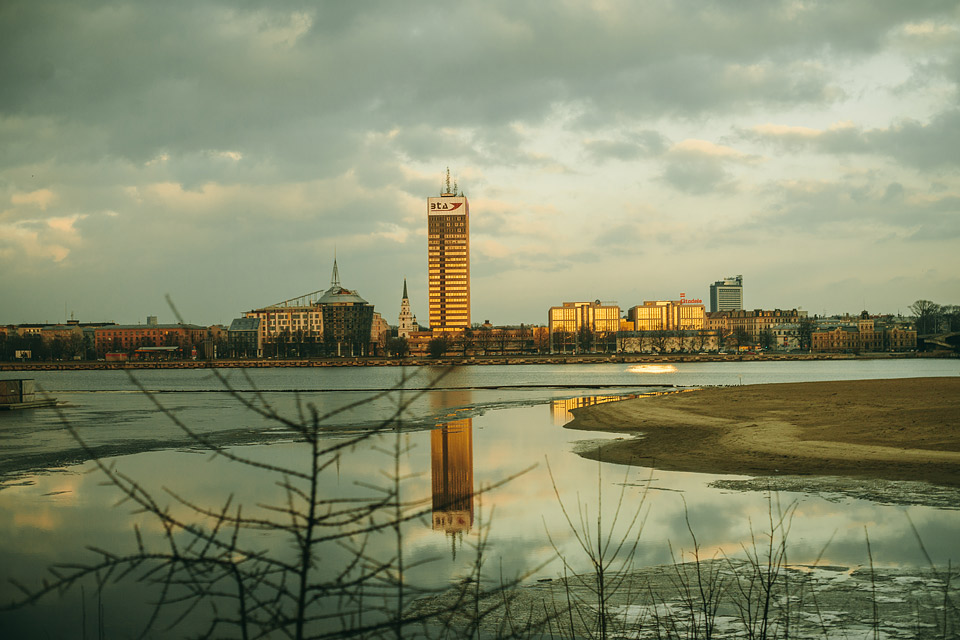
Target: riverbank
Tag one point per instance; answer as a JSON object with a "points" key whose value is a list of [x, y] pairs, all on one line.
{"points": [[627, 358], [903, 429]]}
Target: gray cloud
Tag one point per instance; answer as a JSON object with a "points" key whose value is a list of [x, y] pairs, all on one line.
{"points": [[629, 146], [242, 140], [929, 145]]}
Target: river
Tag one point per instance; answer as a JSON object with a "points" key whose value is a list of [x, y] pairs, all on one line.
{"points": [[460, 431]]}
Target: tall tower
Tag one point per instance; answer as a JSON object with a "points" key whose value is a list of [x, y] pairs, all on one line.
{"points": [[408, 321], [448, 259]]}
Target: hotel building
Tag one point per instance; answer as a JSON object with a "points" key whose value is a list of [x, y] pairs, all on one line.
{"points": [[336, 322], [727, 294], [448, 260]]}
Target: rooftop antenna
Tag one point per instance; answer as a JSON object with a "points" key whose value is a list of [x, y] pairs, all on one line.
{"points": [[447, 190]]}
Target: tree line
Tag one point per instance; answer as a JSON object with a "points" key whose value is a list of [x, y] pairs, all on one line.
{"points": [[932, 318]]}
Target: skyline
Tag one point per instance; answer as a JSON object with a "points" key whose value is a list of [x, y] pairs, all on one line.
{"points": [[220, 153]]}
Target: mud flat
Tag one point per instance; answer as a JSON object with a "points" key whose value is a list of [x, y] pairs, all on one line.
{"points": [[807, 601], [905, 430]]}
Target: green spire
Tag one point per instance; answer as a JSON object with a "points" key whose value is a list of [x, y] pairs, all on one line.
{"points": [[404, 288]]}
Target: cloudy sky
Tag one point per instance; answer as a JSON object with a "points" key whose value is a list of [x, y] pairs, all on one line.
{"points": [[219, 152]]}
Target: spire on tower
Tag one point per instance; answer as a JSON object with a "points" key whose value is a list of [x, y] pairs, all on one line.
{"points": [[405, 289], [335, 278]]}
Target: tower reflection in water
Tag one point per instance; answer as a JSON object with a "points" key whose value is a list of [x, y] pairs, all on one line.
{"points": [[560, 409], [451, 453]]}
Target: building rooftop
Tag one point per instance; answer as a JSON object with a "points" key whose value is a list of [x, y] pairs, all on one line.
{"points": [[245, 324], [341, 295]]}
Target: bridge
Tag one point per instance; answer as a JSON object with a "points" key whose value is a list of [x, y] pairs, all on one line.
{"points": [[949, 341]]}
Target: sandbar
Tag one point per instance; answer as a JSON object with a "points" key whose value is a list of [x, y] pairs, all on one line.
{"points": [[900, 429]]}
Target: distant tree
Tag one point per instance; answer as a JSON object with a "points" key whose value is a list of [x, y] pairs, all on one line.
{"points": [[89, 347], [643, 337], [951, 317], [606, 341], [805, 333], [74, 346], [560, 340], [381, 344], [464, 341], [739, 338], [484, 339], [298, 341], [700, 340], [438, 346], [502, 338], [659, 339], [524, 339], [585, 339], [767, 339], [398, 346], [927, 316], [621, 341], [56, 349], [541, 338]]}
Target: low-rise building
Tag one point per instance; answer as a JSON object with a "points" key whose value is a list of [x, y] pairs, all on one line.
{"points": [[129, 338], [863, 333], [753, 323]]}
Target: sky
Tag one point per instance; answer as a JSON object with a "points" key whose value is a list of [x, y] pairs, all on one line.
{"points": [[222, 153]]}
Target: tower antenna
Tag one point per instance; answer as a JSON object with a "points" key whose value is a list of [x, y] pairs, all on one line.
{"points": [[448, 181]]}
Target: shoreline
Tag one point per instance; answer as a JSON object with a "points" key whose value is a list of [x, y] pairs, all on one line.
{"points": [[899, 429], [626, 358]]}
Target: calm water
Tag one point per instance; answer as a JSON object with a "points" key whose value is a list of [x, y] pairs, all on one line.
{"points": [[481, 425]]}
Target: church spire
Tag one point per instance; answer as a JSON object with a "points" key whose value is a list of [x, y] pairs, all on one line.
{"points": [[405, 289]]}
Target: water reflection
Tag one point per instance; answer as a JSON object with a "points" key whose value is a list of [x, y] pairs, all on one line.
{"points": [[451, 478], [652, 368], [561, 409], [48, 519]]}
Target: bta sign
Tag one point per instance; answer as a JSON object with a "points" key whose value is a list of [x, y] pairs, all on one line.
{"points": [[445, 206]]}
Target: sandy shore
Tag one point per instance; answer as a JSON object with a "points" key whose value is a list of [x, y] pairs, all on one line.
{"points": [[907, 429]]}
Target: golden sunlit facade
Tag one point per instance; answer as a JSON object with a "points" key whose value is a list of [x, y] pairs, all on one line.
{"points": [[668, 315], [451, 476], [561, 409], [448, 262], [597, 317]]}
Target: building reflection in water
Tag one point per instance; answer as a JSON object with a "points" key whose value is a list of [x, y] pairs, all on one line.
{"points": [[561, 408], [451, 453]]}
